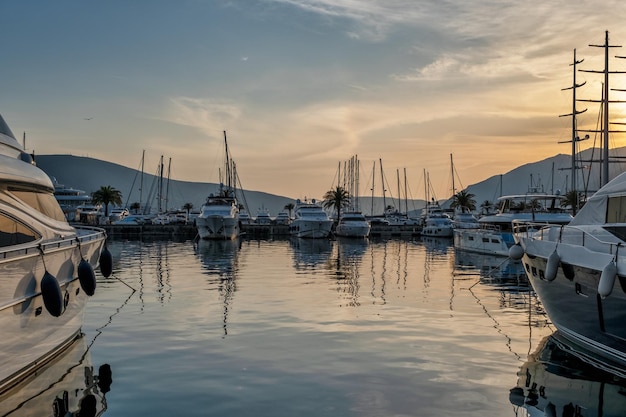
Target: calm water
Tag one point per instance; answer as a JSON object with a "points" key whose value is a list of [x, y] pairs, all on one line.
{"points": [[311, 328]]}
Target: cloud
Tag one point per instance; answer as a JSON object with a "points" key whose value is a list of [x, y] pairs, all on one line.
{"points": [[206, 115]]}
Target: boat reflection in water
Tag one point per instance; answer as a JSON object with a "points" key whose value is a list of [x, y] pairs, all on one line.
{"points": [[492, 268], [219, 261], [309, 253], [67, 386], [559, 379]]}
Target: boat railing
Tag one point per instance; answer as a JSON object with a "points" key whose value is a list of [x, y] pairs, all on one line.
{"points": [[567, 234], [84, 234]]}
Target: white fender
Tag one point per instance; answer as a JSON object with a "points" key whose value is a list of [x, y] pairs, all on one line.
{"points": [[607, 279], [516, 252], [552, 266]]}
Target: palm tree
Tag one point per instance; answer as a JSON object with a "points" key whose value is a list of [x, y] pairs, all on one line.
{"points": [[107, 195], [486, 206], [134, 208], [464, 199], [289, 207], [573, 199], [337, 199], [187, 207]]}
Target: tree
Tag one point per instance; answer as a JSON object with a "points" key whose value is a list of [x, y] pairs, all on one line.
{"points": [[464, 199], [289, 207], [337, 199], [135, 207], [107, 195], [187, 207], [573, 199], [486, 206]]}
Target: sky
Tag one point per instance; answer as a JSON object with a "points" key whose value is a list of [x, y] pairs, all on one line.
{"points": [[301, 86]]}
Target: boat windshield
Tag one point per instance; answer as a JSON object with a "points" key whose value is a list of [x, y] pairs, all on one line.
{"points": [[13, 232], [44, 203]]}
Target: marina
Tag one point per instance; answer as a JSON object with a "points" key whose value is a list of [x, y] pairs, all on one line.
{"points": [[309, 327]]}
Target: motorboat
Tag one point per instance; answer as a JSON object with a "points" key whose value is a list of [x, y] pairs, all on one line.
{"points": [[282, 217], [263, 216], [579, 272], [463, 218], [352, 224], [310, 220], [560, 380], [46, 267], [244, 217], [495, 234], [436, 223], [70, 199], [219, 215]]}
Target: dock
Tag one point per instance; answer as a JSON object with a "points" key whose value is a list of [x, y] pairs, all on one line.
{"points": [[255, 231]]}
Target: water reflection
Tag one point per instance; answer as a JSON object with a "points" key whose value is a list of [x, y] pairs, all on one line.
{"points": [[219, 262], [492, 269], [347, 265], [309, 253], [559, 380], [67, 386]]}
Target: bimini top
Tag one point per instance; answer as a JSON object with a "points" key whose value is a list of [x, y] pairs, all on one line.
{"points": [[595, 209]]}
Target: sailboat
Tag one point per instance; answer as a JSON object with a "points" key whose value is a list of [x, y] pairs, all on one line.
{"points": [[219, 216], [578, 270]]}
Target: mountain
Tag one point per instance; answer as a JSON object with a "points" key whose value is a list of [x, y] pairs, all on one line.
{"points": [[551, 175], [90, 174]]}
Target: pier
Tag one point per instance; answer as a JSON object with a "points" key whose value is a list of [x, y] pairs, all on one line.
{"points": [[262, 231]]}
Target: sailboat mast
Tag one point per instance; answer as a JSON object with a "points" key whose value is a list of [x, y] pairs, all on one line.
{"points": [[143, 155], [452, 171], [227, 163], [382, 178], [167, 188], [406, 195], [373, 182]]}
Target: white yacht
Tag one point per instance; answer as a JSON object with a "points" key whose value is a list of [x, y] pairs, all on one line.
{"points": [[263, 216], [578, 270], [282, 217], [436, 223], [46, 267], [310, 220], [352, 224], [495, 235], [219, 216], [70, 199]]}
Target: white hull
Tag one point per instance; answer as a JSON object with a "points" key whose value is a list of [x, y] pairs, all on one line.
{"points": [[313, 229], [353, 224], [483, 241], [30, 333], [353, 230], [42, 299], [218, 227]]}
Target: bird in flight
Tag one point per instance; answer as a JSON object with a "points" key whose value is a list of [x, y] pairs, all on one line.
{"points": [[88, 118]]}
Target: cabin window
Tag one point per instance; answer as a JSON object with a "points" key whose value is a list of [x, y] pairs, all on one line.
{"points": [[44, 203], [616, 210], [13, 232]]}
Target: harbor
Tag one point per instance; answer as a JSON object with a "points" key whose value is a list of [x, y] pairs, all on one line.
{"points": [[264, 231]]}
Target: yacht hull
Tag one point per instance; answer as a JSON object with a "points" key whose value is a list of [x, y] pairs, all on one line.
{"points": [[218, 227], [572, 299], [32, 335]]}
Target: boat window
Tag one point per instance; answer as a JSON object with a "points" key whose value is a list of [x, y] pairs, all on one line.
{"points": [[13, 232], [616, 210], [45, 203]]}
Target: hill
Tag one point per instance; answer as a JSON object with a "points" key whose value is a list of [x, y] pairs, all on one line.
{"points": [[551, 175]]}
